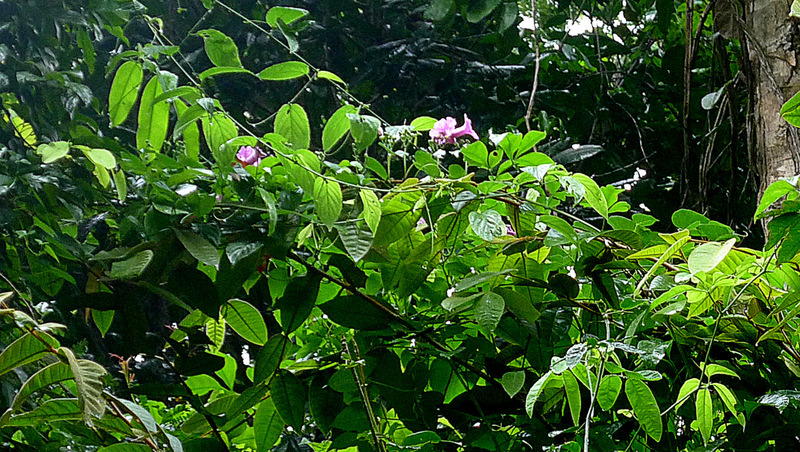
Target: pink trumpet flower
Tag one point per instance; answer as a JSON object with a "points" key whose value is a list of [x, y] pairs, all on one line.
{"points": [[249, 155], [445, 130]]}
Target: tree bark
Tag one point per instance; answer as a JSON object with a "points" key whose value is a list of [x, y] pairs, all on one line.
{"points": [[771, 41]]}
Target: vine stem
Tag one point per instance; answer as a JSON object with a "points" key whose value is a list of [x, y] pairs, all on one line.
{"points": [[536, 69]]}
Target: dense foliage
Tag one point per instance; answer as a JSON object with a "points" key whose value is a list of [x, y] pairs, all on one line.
{"points": [[210, 243]]}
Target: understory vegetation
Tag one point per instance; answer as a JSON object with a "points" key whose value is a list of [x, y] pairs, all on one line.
{"points": [[185, 270]]}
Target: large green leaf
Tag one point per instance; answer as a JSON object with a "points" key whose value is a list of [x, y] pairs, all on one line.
{"points": [[26, 349], [790, 111], [774, 192], [513, 382], [200, 248], [729, 399], [50, 411], [284, 71], [131, 267], [707, 256], [372, 209], [124, 91], [356, 237], [593, 194], [52, 374], [573, 391], [267, 425], [328, 200], [337, 126], [608, 391], [221, 49], [269, 357], [52, 152], [153, 117], [353, 311], [291, 122], [364, 129], [488, 225], [218, 129], [245, 319], [536, 391], [89, 383], [397, 219], [645, 407], [704, 410], [285, 14], [298, 300], [489, 309], [289, 396], [478, 9]]}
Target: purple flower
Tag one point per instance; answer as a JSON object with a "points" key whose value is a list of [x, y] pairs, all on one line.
{"points": [[445, 130], [510, 230], [249, 155]]}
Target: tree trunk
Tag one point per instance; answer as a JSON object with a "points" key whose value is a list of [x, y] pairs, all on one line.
{"points": [[770, 35]]}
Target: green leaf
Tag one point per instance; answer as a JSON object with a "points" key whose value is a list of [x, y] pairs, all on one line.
{"points": [[561, 226], [513, 382], [269, 358], [593, 194], [704, 409], [131, 267], [200, 248], [439, 9], [124, 91], [220, 70], [297, 301], [645, 407], [337, 126], [284, 71], [352, 311], [397, 220], [245, 319], [372, 209], [291, 122], [478, 9], [795, 10], [49, 411], [608, 391], [289, 396], [774, 192], [215, 330], [364, 129], [187, 116], [536, 391], [356, 238], [423, 123], [218, 129], [89, 383], [221, 49], [729, 399], [488, 310], [100, 157], [476, 154], [707, 256], [327, 75], [153, 118], [121, 183], [52, 374], [573, 391], [26, 349], [267, 426], [87, 49], [286, 14], [52, 152], [488, 225], [671, 251], [328, 200], [716, 369], [103, 320]]}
